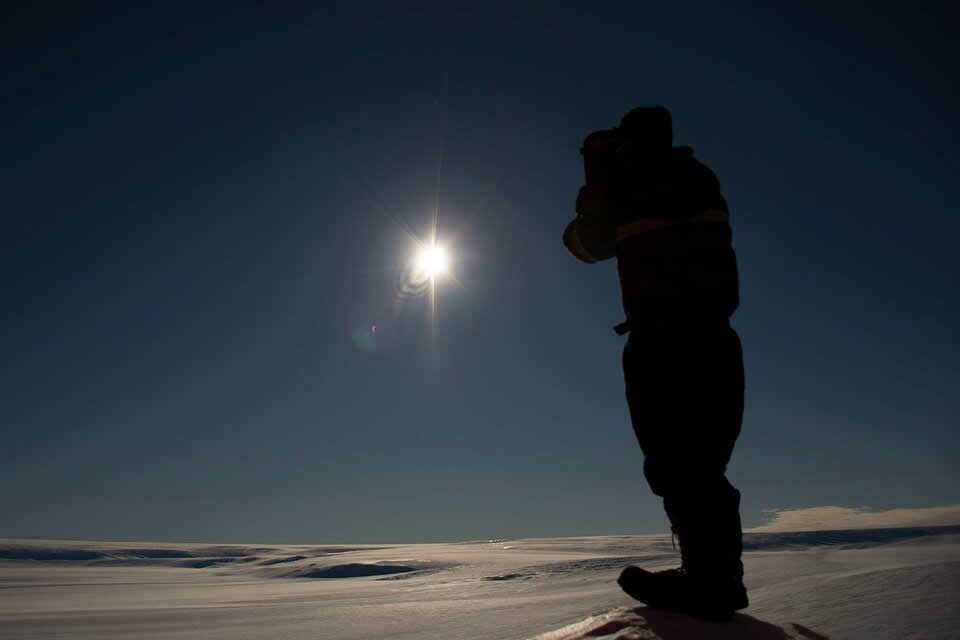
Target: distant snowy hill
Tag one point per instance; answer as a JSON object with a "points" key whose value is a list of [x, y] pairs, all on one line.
{"points": [[874, 583]]}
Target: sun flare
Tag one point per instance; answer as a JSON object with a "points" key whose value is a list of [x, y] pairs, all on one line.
{"points": [[432, 261]]}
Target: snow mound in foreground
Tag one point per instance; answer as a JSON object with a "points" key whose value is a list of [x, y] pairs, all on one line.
{"points": [[644, 623]]}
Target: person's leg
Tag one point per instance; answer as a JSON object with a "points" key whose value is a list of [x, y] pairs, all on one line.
{"points": [[685, 394], [703, 506]]}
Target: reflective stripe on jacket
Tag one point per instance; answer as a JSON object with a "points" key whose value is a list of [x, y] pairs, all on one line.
{"points": [[668, 225], [678, 266]]}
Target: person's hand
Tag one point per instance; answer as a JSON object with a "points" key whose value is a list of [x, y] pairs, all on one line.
{"points": [[591, 236], [595, 204]]}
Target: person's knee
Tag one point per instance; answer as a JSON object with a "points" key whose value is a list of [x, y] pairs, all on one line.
{"points": [[686, 481], [662, 475]]}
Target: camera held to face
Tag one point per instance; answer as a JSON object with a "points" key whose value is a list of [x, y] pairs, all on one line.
{"points": [[644, 135], [600, 156]]}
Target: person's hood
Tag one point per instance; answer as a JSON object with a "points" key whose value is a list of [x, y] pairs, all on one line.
{"points": [[652, 161], [650, 127]]}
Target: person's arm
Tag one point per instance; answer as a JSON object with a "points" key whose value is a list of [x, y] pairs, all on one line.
{"points": [[591, 236]]}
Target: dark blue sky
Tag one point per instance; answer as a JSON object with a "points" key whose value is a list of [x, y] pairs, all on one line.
{"points": [[201, 207]]}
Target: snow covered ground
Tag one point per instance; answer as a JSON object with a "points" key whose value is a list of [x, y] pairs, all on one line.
{"points": [[879, 583]]}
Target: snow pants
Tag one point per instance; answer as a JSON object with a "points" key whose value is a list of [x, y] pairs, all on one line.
{"points": [[685, 388]]}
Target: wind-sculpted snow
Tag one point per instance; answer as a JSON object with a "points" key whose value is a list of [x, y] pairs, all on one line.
{"points": [[54, 554], [883, 584], [616, 550], [186, 556], [50, 555], [577, 567], [848, 538]]}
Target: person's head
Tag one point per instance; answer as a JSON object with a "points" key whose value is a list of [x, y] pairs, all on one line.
{"points": [[648, 128]]}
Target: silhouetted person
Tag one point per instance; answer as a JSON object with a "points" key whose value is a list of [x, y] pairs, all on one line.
{"points": [[661, 213]]}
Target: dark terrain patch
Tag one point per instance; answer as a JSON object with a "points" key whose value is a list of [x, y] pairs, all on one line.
{"points": [[272, 561], [509, 576], [354, 570]]}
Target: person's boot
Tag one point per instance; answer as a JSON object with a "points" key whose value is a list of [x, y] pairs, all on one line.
{"points": [[676, 590], [711, 544], [659, 589], [709, 582]]}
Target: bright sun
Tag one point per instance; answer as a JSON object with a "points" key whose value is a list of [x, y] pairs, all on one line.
{"points": [[432, 261]]}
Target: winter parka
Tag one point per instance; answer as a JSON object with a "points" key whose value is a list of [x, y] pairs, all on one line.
{"points": [[665, 219]]}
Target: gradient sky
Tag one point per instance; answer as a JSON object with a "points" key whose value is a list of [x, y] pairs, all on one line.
{"points": [[201, 209]]}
